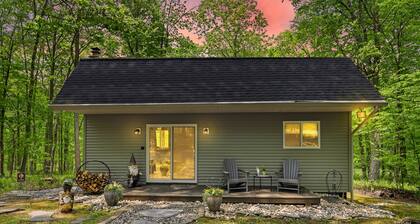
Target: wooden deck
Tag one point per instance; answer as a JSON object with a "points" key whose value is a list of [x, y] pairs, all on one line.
{"points": [[174, 192]]}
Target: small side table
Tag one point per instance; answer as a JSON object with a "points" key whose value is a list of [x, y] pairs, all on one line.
{"points": [[262, 177]]}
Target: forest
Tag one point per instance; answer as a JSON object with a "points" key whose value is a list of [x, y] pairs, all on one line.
{"points": [[41, 41]]}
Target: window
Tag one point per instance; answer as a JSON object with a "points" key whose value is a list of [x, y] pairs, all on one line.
{"points": [[301, 134]]}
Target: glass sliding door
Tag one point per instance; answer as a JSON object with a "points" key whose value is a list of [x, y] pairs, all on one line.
{"points": [[171, 153], [159, 153], [183, 153]]}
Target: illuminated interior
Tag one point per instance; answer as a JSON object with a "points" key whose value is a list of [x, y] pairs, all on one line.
{"points": [[159, 153], [310, 134], [301, 134], [184, 153], [292, 134], [172, 162]]}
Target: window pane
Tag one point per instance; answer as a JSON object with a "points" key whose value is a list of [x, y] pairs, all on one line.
{"points": [[184, 153], [310, 134], [292, 134], [159, 153]]}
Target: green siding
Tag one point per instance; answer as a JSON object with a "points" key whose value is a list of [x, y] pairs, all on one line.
{"points": [[254, 139]]}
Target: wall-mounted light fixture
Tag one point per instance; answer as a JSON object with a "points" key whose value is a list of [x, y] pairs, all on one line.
{"points": [[206, 131], [361, 115], [137, 131]]}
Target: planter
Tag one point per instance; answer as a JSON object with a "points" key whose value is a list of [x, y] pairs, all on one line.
{"points": [[214, 202], [112, 198]]}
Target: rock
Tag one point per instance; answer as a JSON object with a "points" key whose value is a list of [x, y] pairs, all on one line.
{"points": [[23, 196], [81, 199], [2, 204], [41, 216], [143, 221], [160, 213]]}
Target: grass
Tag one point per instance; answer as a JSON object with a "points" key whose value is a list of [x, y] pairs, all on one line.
{"points": [[399, 208], [79, 211], [33, 182], [383, 185]]}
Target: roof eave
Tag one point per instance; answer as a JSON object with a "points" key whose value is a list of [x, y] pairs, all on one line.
{"points": [[214, 107]]}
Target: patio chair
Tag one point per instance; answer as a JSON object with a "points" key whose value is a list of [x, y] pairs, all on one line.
{"points": [[233, 180], [290, 178]]}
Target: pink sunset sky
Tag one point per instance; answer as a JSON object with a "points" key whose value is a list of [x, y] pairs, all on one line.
{"points": [[279, 14]]}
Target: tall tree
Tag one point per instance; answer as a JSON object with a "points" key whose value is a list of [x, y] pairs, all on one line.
{"points": [[231, 28]]}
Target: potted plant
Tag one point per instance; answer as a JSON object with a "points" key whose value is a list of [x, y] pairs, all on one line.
{"points": [[164, 169], [113, 193], [263, 171], [213, 197], [67, 185]]}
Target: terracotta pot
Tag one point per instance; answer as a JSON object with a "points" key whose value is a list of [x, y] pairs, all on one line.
{"points": [[112, 198], [214, 203]]}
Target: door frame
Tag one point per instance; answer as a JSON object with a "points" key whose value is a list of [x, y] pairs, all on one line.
{"points": [[148, 126]]}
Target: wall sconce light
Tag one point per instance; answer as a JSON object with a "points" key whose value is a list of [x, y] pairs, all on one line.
{"points": [[361, 114], [137, 131], [206, 131]]}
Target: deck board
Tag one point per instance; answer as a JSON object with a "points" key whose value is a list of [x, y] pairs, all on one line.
{"points": [[172, 193]]}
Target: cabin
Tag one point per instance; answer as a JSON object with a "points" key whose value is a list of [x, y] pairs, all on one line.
{"points": [[181, 117]]}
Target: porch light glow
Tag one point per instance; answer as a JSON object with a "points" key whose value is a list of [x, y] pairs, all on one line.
{"points": [[361, 115], [206, 131], [137, 131]]}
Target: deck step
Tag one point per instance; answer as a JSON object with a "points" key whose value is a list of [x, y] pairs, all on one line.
{"points": [[156, 193]]}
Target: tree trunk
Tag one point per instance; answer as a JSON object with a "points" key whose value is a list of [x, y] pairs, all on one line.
{"points": [[375, 163], [76, 142], [362, 157], [66, 146]]}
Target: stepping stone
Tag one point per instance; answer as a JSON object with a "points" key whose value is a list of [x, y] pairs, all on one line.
{"points": [[160, 213], [41, 216], [9, 210]]}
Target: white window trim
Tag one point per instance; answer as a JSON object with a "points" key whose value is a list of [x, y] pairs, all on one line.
{"points": [[301, 136]]}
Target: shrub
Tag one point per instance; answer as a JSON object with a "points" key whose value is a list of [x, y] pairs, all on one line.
{"points": [[212, 192]]}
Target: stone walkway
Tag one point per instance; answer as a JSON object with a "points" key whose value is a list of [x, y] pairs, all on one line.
{"points": [[41, 216]]}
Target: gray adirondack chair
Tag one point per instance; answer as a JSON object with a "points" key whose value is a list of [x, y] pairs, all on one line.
{"points": [[234, 180], [290, 178]]}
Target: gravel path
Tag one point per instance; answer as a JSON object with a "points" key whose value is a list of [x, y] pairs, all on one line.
{"points": [[190, 211], [148, 212]]}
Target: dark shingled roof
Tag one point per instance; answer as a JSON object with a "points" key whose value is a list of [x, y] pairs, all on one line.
{"points": [[209, 80]]}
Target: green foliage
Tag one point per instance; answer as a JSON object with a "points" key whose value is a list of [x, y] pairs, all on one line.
{"points": [[32, 182], [115, 187], [231, 28], [213, 192]]}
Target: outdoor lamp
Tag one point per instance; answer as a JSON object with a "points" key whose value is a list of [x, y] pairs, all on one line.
{"points": [[206, 131], [137, 131], [361, 114]]}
